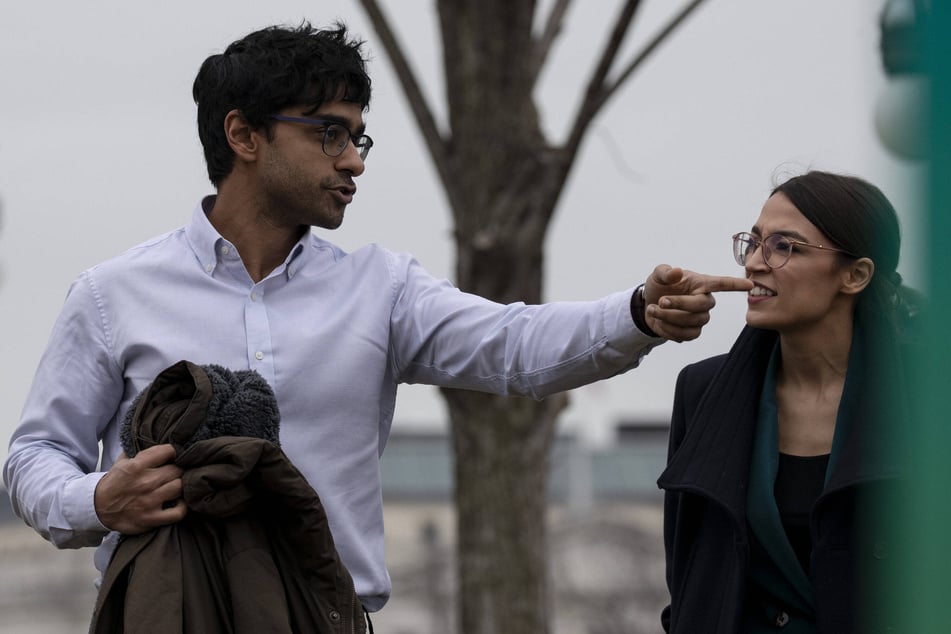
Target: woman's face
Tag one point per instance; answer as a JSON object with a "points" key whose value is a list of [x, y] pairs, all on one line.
{"points": [[805, 291]]}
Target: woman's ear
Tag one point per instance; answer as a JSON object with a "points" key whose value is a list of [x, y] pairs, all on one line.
{"points": [[857, 275], [241, 137]]}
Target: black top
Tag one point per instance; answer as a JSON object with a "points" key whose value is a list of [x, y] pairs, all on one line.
{"points": [[799, 481]]}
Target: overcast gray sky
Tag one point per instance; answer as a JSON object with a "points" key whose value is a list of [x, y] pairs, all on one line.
{"points": [[98, 152]]}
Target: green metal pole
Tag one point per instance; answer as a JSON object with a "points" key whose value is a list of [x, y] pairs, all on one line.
{"points": [[923, 512]]}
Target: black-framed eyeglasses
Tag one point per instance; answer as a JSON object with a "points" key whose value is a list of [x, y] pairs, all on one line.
{"points": [[336, 135], [776, 248]]}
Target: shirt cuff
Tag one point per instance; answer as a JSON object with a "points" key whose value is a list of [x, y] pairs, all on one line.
{"points": [[620, 326], [79, 504]]}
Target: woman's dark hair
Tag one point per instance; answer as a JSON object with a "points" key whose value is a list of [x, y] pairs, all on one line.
{"points": [[269, 70], [857, 217]]}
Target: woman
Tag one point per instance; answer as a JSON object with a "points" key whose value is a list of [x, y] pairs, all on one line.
{"points": [[776, 447]]}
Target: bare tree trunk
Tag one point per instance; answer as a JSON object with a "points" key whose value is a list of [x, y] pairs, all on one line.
{"points": [[503, 180], [502, 447], [502, 444]]}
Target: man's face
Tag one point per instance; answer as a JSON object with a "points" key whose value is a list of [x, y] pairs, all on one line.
{"points": [[299, 183]]}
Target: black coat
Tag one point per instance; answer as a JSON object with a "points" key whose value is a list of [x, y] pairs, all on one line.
{"points": [[707, 538]]}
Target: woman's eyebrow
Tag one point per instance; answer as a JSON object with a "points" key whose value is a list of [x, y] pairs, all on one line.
{"points": [[788, 233]]}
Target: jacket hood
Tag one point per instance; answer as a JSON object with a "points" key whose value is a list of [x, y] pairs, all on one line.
{"points": [[187, 403]]}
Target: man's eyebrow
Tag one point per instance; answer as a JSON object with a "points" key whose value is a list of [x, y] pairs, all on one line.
{"points": [[332, 118]]}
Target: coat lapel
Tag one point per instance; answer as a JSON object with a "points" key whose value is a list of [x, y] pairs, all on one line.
{"points": [[713, 458]]}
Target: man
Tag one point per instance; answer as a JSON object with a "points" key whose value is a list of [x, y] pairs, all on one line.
{"points": [[247, 285]]}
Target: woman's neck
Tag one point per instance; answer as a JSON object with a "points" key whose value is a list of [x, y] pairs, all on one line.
{"points": [[814, 356], [809, 385]]}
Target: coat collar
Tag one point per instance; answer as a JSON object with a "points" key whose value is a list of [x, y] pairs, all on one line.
{"points": [[713, 457]]}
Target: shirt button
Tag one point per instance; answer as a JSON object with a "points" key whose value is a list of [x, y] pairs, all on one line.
{"points": [[254, 297], [225, 250], [209, 267], [258, 355], [782, 619]]}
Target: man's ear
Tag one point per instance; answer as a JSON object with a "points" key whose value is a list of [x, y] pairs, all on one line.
{"points": [[857, 275], [243, 139]]}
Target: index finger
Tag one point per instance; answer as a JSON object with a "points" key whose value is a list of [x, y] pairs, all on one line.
{"points": [[156, 455], [720, 283]]}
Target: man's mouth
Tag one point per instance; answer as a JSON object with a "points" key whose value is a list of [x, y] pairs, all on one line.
{"points": [[344, 194]]}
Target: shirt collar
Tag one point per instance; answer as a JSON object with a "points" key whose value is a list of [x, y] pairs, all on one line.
{"points": [[202, 236]]}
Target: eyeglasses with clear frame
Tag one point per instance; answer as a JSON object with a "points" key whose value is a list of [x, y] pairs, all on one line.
{"points": [[336, 135], [777, 248]]}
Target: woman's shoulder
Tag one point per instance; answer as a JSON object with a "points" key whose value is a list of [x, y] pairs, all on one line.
{"points": [[695, 377], [743, 363], [706, 366]]}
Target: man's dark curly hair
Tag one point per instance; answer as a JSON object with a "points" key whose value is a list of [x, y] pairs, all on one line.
{"points": [[269, 70]]}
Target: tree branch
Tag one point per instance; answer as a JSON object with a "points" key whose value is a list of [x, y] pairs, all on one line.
{"points": [[599, 90], [594, 94], [547, 39], [414, 95], [662, 35]]}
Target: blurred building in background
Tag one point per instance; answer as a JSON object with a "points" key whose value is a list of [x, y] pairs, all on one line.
{"points": [[605, 540]]}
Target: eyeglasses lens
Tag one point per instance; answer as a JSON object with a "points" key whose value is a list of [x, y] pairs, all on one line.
{"points": [[776, 250], [336, 138], [743, 247], [364, 144]]}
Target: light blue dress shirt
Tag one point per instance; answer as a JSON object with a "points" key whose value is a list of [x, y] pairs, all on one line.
{"points": [[333, 333]]}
